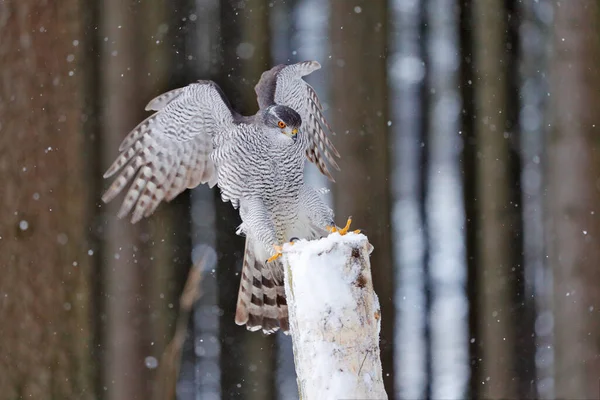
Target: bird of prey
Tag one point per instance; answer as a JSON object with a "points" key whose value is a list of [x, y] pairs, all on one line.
{"points": [[195, 137]]}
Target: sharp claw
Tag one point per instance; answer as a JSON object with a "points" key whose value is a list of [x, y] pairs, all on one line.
{"points": [[344, 230], [278, 250], [274, 257]]}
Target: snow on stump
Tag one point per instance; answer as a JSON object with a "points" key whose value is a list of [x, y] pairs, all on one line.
{"points": [[334, 318]]}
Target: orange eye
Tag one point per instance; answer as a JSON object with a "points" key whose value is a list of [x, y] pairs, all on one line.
{"points": [[281, 124]]}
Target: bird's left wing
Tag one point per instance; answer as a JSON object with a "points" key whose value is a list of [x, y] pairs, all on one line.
{"points": [[284, 85], [170, 150]]}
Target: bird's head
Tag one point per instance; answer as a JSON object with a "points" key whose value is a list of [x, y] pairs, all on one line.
{"points": [[284, 119]]}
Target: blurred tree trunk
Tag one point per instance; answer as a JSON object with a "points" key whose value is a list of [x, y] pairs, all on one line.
{"points": [[468, 161], [522, 286], [495, 210], [45, 316], [360, 114], [424, 138], [247, 358], [500, 319], [502, 348], [143, 263], [534, 71], [126, 337], [90, 43], [573, 198]]}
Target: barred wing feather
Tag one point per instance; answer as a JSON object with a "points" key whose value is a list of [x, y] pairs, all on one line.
{"points": [[170, 150]]}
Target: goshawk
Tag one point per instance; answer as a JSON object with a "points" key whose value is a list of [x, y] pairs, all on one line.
{"points": [[196, 137]]}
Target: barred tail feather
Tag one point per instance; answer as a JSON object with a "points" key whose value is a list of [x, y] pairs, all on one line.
{"points": [[261, 300]]}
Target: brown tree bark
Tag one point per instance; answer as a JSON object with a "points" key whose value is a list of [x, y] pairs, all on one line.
{"points": [[573, 197], [359, 116], [45, 317]]}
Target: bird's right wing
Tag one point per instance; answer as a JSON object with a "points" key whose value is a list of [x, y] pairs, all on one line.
{"points": [[170, 150]]}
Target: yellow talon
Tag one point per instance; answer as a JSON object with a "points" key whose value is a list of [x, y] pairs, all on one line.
{"points": [[274, 257], [278, 250], [344, 230]]}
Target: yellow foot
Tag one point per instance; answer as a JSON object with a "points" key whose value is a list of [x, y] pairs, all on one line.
{"points": [[278, 250], [344, 230]]}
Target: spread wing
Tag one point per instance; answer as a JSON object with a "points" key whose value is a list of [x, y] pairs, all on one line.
{"points": [[170, 150], [284, 85]]}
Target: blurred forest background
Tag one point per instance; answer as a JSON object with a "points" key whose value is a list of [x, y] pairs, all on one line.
{"points": [[469, 132]]}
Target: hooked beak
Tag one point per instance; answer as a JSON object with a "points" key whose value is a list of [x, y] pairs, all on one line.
{"points": [[291, 133]]}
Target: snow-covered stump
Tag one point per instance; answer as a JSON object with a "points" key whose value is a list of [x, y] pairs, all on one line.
{"points": [[334, 318]]}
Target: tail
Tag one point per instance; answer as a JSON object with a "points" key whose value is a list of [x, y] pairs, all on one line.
{"points": [[261, 300]]}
